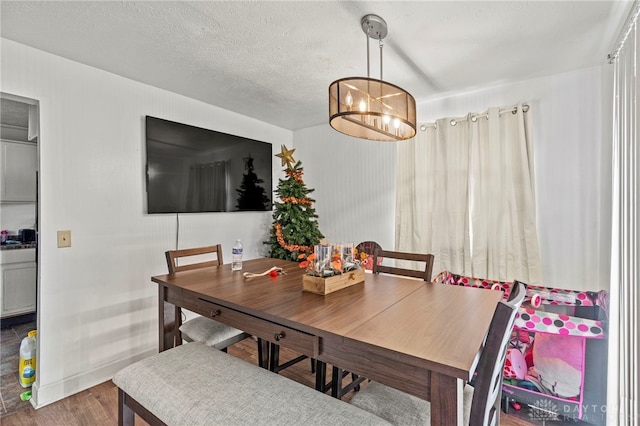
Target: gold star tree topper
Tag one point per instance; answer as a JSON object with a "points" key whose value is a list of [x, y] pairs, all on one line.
{"points": [[286, 156]]}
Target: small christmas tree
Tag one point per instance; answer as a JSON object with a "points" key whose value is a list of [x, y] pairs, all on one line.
{"points": [[295, 228], [251, 196]]}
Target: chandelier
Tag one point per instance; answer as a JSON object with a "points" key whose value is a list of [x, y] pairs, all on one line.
{"points": [[368, 108]]}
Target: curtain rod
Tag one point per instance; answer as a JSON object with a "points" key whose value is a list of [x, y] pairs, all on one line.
{"points": [[474, 117], [626, 30]]}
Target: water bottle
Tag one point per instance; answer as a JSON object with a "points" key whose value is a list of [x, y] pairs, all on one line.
{"points": [[27, 368], [236, 260]]}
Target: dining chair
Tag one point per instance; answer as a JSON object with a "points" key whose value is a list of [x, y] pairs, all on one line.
{"points": [[337, 376], [364, 253], [481, 401], [201, 329], [380, 267]]}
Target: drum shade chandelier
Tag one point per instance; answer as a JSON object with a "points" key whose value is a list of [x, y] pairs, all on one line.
{"points": [[372, 109]]}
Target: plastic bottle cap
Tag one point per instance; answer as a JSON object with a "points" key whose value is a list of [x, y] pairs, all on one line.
{"points": [[32, 333]]}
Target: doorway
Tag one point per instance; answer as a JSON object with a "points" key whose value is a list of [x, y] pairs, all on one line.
{"points": [[19, 255]]}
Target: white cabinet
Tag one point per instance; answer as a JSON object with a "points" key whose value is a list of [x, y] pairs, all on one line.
{"points": [[18, 282], [18, 165]]}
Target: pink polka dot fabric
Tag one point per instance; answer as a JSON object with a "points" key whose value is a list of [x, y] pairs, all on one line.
{"points": [[537, 320], [548, 322]]}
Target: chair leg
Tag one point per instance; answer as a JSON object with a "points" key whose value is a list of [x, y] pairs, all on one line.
{"points": [[354, 378], [274, 359], [126, 416], [337, 391]]}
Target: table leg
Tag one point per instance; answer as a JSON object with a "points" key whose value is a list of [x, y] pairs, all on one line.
{"points": [[263, 353], [169, 319], [321, 376], [274, 356], [446, 400]]}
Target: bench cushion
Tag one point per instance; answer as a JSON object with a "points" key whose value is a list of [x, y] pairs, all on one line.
{"points": [[193, 384]]}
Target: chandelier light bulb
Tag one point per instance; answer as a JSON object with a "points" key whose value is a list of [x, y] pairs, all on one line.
{"points": [[386, 119], [396, 123], [363, 105], [348, 99]]}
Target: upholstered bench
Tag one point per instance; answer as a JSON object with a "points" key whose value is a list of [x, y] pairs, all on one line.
{"points": [[193, 384]]}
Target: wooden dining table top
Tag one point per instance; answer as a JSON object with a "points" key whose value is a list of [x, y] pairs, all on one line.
{"points": [[441, 326]]}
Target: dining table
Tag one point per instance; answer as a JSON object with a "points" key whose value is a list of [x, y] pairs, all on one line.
{"points": [[419, 337]]}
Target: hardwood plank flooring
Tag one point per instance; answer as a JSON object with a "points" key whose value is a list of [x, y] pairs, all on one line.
{"points": [[99, 404]]}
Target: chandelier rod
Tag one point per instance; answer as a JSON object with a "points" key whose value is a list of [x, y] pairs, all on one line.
{"points": [[380, 41], [367, 34]]}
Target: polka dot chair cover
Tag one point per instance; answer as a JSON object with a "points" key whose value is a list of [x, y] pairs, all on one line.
{"points": [[556, 387], [537, 320]]}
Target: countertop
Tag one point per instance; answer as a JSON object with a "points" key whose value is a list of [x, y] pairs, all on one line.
{"points": [[17, 246]]}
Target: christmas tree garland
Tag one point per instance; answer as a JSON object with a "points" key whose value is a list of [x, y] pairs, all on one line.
{"points": [[294, 200], [295, 175], [289, 247]]}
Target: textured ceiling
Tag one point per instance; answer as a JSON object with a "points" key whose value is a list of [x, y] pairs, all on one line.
{"points": [[275, 60]]}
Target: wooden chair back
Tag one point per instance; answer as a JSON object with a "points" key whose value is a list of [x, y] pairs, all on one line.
{"points": [[174, 255], [485, 406], [424, 274]]}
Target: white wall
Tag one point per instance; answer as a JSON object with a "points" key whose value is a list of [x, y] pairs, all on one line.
{"points": [[354, 182], [573, 169], [97, 306]]}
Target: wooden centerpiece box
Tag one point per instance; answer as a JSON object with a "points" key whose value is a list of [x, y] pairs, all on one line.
{"points": [[320, 285]]}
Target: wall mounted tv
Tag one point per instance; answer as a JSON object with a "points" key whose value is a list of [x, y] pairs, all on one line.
{"points": [[191, 169]]}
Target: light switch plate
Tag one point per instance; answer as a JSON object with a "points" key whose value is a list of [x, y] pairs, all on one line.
{"points": [[64, 239]]}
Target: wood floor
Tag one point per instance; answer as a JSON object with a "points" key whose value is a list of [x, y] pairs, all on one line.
{"points": [[99, 405]]}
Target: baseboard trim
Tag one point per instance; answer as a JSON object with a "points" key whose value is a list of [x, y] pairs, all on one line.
{"points": [[52, 392]]}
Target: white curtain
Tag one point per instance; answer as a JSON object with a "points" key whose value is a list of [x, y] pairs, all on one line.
{"points": [[624, 330], [465, 193]]}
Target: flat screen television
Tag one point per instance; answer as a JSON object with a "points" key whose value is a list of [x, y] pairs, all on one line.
{"points": [[190, 170]]}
